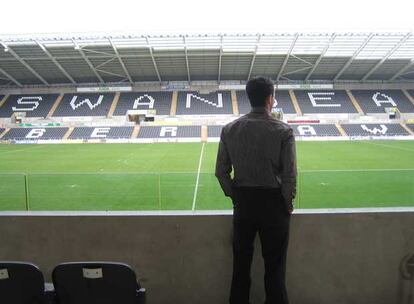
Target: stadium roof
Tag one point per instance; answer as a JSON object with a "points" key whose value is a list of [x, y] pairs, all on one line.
{"points": [[78, 60]]}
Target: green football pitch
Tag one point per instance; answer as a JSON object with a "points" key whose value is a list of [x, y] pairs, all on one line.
{"points": [[180, 176]]}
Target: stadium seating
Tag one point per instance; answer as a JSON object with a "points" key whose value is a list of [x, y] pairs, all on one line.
{"points": [[315, 130], [322, 102], [376, 101], [34, 105], [21, 283], [90, 104], [214, 131], [411, 126], [243, 102], [283, 101], [35, 133], [193, 103], [159, 101], [411, 92], [101, 133], [170, 132], [299, 130], [97, 283], [374, 129]]}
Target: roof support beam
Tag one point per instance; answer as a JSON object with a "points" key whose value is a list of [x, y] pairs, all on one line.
{"points": [[77, 47], [297, 70], [121, 62], [390, 52], [254, 56], [348, 63], [287, 56], [112, 74], [320, 57], [402, 70], [24, 63], [59, 66], [303, 60], [221, 53], [10, 77], [186, 59], [97, 67], [153, 59]]}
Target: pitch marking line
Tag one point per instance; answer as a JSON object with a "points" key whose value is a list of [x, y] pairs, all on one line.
{"points": [[356, 170], [19, 150], [390, 147], [198, 177], [199, 212]]}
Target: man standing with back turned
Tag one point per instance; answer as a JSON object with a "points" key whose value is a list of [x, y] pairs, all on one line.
{"points": [[261, 152]]}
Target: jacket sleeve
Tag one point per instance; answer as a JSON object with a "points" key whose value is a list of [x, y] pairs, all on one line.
{"points": [[224, 167], [289, 171]]}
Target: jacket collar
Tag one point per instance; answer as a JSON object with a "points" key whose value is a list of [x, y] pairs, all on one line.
{"points": [[259, 110]]}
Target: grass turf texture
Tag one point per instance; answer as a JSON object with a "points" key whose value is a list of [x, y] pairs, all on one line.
{"points": [[163, 176]]}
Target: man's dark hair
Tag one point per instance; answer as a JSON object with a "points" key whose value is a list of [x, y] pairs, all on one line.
{"points": [[258, 89]]}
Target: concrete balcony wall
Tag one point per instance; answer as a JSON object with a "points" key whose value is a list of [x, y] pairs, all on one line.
{"points": [[341, 257]]}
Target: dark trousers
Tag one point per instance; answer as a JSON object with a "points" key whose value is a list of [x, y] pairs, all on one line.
{"points": [[260, 211]]}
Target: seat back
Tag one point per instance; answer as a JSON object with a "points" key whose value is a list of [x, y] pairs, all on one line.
{"points": [[21, 283], [95, 283]]}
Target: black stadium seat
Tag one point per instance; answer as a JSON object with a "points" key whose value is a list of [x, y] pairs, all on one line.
{"points": [[21, 283], [97, 283]]}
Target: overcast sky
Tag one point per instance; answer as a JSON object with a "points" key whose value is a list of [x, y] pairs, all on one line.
{"points": [[213, 16]]}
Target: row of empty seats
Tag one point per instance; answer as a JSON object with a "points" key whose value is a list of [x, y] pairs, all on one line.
{"points": [[316, 130], [101, 132], [282, 101], [159, 101], [369, 129], [325, 102], [374, 130], [73, 283], [84, 105], [35, 105], [159, 132], [170, 132], [193, 103], [35, 133], [377, 101]]}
